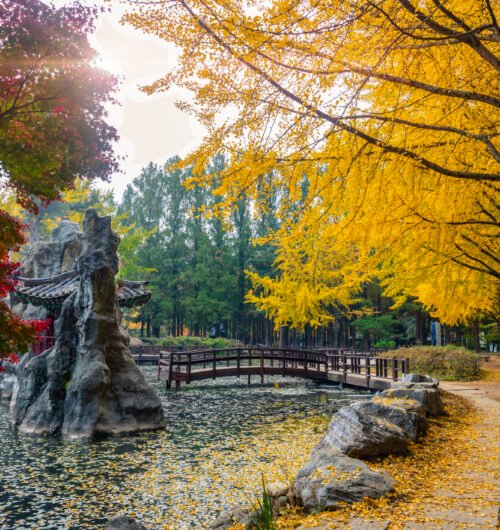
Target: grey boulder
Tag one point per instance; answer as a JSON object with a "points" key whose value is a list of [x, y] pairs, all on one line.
{"points": [[417, 378], [407, 414], [124, 522], [359, 435], [330, 479], [425, 393], [236, 515]]}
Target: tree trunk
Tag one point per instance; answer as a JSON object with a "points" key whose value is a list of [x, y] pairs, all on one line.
{"points": [[353, 338], [308, 343], [475, 330], [419, 330], [283, 336]]}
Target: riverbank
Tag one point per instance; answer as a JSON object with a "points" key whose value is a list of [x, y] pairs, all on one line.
{"points": [[449, 480]]}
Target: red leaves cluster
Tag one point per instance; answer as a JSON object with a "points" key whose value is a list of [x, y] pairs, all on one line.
{"points": [[40, 325], [14, 334], [52, 100], [13, 359]]}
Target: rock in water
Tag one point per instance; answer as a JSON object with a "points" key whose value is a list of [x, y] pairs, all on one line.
{"points": [[238, 515], [88, 384], [363, 436], [330, 479], [124, 522]]}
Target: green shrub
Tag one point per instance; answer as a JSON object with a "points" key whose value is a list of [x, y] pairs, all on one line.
{"points": [[385, 344], [450, 363], [187, 342]]}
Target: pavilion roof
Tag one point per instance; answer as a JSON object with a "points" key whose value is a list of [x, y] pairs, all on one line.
{"points": [[51, 292]]}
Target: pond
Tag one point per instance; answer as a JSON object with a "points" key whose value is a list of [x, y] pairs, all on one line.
{"points": [[221, 436]]}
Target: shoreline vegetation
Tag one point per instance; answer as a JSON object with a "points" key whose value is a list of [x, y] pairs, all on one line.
{"points": [[446, 363]]}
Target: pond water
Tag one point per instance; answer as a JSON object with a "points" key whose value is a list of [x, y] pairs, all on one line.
{"points": [[221, 436]]}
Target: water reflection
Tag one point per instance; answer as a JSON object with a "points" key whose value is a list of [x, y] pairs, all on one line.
{"points": [[220, 435]]}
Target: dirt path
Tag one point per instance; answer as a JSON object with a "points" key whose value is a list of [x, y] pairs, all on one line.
{"points": [[488, 386], [478, 507]]}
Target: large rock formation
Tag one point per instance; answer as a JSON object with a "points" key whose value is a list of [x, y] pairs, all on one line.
{"points": [[88, 384]]}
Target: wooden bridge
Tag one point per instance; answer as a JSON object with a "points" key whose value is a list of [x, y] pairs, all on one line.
{"points": [[363, 371]]}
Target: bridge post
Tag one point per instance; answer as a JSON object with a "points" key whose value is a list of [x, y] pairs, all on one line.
{"points": [[159, 366], [283, 353], [189, 369], [367, 371], [238, 363], [394, 369], [344, 367], [170, 369], [261, 367], [214, 364]]}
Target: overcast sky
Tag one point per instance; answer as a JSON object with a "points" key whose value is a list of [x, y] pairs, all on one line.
{"points": [[151, 127]]}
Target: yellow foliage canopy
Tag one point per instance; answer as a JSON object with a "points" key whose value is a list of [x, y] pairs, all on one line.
{"points": [[387, 109]]}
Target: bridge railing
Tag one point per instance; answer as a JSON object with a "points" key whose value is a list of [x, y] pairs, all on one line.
{"points": [[381, 367], [150, 354], [183, 366], [350, 351]]}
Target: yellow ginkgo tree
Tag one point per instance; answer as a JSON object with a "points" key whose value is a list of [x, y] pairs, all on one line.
{"points": [[388, 110]]}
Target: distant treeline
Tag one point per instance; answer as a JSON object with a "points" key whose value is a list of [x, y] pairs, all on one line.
{"points": [[197, 262]]}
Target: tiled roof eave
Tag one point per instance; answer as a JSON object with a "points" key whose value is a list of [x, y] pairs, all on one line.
{"points": [[52, 291]]}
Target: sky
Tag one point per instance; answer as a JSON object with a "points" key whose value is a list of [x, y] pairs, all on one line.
{"points": [[151, 128]]}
